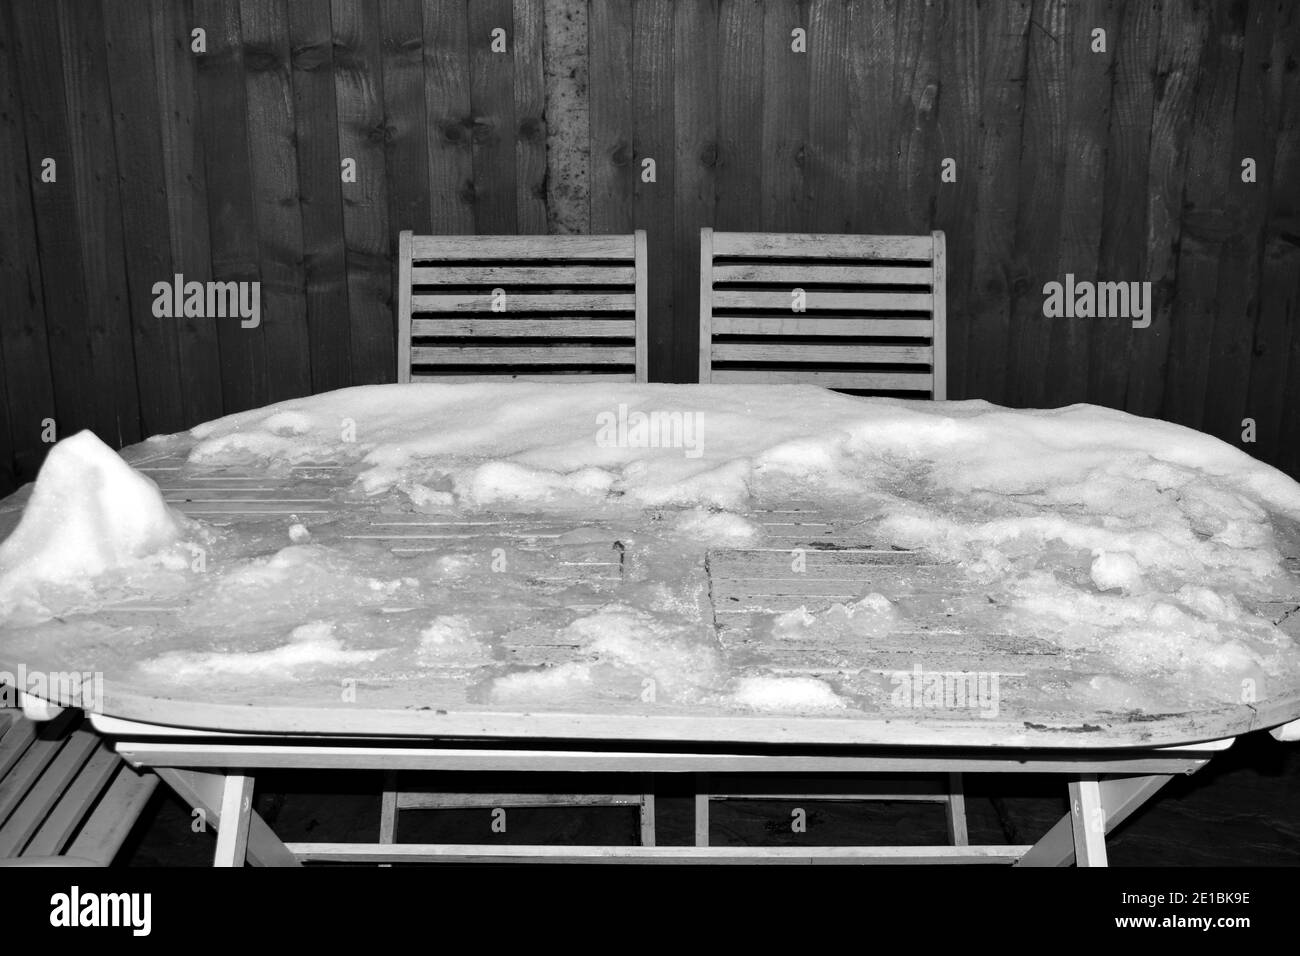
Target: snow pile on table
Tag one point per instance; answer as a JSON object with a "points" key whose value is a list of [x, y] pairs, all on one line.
{"points": [[1088, 527], [89, 513]]}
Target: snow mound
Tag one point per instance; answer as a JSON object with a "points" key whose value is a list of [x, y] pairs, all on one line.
{"points": [[798, 694], [89, 512]]}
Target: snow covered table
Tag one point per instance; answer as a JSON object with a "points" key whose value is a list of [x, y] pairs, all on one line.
{"points": [[715, 580]]}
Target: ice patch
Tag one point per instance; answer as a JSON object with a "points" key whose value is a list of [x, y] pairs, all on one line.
{"points": [[309, 645]]}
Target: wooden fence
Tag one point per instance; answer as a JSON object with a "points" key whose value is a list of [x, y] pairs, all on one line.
{"points": [[129, 155]]}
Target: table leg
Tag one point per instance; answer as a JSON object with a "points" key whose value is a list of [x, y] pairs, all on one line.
{"points": [[956, 807], [236, 810], [701, 809], [206, 792], [647, 809], [1119, 798], [1088, 821]]}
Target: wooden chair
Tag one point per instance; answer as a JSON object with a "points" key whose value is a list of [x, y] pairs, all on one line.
{"points": [[864, 313], [524, 308], [66, 798]]}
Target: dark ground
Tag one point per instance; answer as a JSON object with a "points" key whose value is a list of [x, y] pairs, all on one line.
{"points": [[1242, 809]]}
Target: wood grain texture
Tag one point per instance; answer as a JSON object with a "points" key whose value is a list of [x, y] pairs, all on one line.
{"points": [[232, 212], [529, 93], [493, 106], [1123, 250], [448, 119], [321, 194], [359, 100], [266, 60], [1206, 219], [696, 158], [99, 213], [654, 137], [187, 197], [28, 390]]}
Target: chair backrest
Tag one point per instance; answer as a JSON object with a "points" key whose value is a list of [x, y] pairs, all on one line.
{"points": [[530, 308], [849, 312]]}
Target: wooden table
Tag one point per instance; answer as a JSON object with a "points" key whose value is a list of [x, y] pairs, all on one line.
{"points": [[209, 746]]}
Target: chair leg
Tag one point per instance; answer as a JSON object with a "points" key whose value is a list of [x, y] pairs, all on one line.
{"points": [[388, 811], [956, 807]]}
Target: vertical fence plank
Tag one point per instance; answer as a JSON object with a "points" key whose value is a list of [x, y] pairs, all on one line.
{"points": [[530, 117], [54, 204], [568, 117], [956, 210], [695, 38], [1178, 58], [1274, 397], [655, 137], [826, 161], [176, 78], [145, 230], [785, 116], [273, 148], [359, 97], [320, 187], [232, 216], [1084, 193], [1004, 71], [449, 118], [1038, 223], [99, 221], [739, 52], [405, 118], [876, 122], [1123, 251], [1244, 214], [915, 174], [1204, 220], [610, 71], [28, 389], [492, 95]]}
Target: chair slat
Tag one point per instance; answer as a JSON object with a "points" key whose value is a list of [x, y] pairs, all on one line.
{"points": [[788, 352], [820, 246], [449, 801], [567, 377], [519, 328], [771, 325], [800, 275], [882, 381], [753, 277], [528, 302], [445, 248], [812, 300], [111, 823], [558, 276], [70, 812], [27, 817], [523, 355], [559, 289]]}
